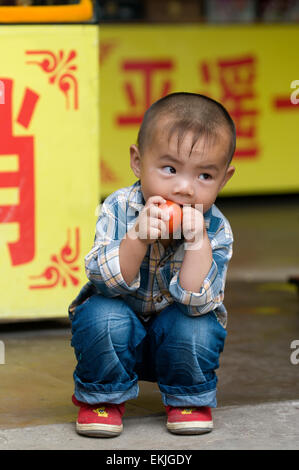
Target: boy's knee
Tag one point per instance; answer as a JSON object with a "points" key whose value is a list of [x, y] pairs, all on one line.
{"points": [[203, 331], [99, 307], [102, 317], [173, 321]]}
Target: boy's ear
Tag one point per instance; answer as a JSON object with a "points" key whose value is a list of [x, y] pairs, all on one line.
{"points": [[229, 173], [135, 160]]}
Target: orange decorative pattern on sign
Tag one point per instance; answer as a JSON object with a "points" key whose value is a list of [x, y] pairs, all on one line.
{"points": [[62, 267], [60, 69]]}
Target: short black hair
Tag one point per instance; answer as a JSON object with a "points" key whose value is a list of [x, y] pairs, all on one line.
{"points": [[190, 112]]}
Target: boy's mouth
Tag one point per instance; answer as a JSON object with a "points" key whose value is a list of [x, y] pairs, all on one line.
{"points": [[185, 204], [181, 204]]}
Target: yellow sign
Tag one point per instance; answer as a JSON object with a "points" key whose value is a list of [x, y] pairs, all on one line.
{"points": [[248, 69], [49, 149]]}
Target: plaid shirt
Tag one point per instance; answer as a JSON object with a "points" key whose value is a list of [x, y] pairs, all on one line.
{"points": [[157, 283]]}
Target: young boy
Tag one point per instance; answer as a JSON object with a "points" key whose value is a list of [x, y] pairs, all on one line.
{"points": [[152, 309]]}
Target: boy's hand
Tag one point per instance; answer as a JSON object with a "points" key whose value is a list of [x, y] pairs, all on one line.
{"points": [[150, 224], [197, 263], [193, 227]]}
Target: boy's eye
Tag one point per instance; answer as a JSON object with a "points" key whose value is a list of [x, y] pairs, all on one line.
{"points": [[204, 176], [169, 169]]}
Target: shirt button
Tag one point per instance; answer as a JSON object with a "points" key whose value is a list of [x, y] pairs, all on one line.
{"points": [[159, 298]]}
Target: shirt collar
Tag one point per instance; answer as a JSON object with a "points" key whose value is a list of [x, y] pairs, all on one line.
{"points": [[136, 200], [207, 217]]}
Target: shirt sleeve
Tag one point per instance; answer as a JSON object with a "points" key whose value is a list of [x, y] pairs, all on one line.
{"points": [[211, 294], [102, 262]]}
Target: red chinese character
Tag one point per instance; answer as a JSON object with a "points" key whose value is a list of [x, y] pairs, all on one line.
{"points": [[236, 78], [21, 251], [139, 103]]}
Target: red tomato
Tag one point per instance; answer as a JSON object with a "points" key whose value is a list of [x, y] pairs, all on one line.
{"points": [[175, 215]]}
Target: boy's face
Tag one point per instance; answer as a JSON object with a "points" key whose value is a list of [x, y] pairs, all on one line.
{"points": [[164, 170]]}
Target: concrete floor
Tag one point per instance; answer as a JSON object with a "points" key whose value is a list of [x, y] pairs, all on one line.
{"points": [[267, 426], [36, 379]]}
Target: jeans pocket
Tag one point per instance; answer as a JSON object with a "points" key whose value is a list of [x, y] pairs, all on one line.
{"points": [[71, 312], [220, 332]]}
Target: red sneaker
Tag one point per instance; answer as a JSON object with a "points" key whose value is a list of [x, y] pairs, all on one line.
{"points": [[195, 420], [100, 420]]}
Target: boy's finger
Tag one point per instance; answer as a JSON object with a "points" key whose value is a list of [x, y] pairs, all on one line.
{"points": [[155, 200], [157, 213], [158, 223], [153, 222]]}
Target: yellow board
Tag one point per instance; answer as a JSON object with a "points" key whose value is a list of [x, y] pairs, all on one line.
{"points": [[49, 149], [249, 69]]}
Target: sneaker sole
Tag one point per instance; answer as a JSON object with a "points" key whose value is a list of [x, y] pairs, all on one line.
{"points": [[190, 427], [99, 430]]}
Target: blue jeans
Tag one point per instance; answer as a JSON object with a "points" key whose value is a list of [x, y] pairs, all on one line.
{"points": [[115, 349]]}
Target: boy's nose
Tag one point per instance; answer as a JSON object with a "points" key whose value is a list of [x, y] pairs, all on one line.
{"points": [[184, 188]]}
